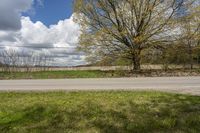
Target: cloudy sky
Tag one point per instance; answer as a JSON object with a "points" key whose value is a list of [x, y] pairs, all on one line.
{"points": [[41, 26]]}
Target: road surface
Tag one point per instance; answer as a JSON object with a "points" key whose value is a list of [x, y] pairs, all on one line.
{"points": [[189, 85]]}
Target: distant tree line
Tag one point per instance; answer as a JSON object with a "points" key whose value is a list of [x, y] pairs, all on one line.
{"points": [[14, 61]]}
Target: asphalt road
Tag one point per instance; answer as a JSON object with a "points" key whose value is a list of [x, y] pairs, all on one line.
{"points": [[189, 85]]}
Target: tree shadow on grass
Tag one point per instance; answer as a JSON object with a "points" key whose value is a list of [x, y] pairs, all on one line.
{"points": [[160, 114]]}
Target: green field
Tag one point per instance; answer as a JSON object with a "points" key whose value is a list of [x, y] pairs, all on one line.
{"points": [[103, 112], [58, 74], [96, 74]]}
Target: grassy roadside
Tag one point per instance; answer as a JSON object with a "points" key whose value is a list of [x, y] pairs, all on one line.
{"points": [[55, 74], [95, 74], [114, 111]]}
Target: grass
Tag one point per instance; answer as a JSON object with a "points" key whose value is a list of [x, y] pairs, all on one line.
{"points": [[63, 74], [55, 74], [96, 74], [100, 112]]}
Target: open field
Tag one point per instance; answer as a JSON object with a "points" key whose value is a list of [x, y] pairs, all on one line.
{"points": [[114, 111], [97, 74], [55, 74]]}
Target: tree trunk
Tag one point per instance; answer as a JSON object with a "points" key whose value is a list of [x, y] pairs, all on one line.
{"points": [[136, 62], [191, 57]]}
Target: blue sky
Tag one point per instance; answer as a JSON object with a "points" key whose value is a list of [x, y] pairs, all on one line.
{"points": [[51, 11]]}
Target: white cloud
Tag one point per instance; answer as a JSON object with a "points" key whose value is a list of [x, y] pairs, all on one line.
{"points": [[34, 33], [65, 31], [37, 38]]}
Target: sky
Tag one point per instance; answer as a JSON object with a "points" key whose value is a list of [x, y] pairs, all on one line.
{"points": [[41, 27], [50, 11]]}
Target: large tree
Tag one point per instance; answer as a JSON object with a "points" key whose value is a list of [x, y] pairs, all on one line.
{"points": [[125, 28]]}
